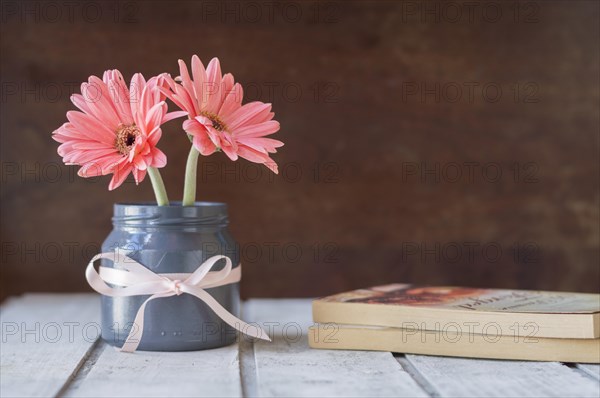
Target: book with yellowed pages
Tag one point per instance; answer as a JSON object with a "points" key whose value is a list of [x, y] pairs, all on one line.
{"points": [[427, 342], [520, 313]]}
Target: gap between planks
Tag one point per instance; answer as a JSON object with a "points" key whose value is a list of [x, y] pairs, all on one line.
{"points": [[417, 376], [246, 358], [288, 367], [248, 374], [84, 367], [589, 370], [247, 363]]}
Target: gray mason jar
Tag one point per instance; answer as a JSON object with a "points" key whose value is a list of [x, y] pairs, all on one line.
{"points": [[172, 239]]}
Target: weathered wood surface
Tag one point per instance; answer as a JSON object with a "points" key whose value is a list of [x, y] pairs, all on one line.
{"points": [[210, 373], [288, 367], [45, 339], [36, 362], [590, 369], [461, 377]]}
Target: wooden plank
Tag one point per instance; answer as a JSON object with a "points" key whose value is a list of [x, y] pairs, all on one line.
{"points": [[590, 369], [248, 368], [462, 377], [288, 367], [45, 339], [208, 373]]}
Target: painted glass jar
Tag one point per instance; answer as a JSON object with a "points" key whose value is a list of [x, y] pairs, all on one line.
{"points": [[171, 239]]}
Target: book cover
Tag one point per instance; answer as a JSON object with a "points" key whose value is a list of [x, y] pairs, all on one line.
{"points": [[474, 299], [508, 312]]}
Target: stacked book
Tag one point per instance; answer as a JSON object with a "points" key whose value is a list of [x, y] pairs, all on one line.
{"points": [[461, 322]]}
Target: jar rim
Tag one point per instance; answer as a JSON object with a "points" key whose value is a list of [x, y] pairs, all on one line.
{"points": [[149, 214], [171, 204]]}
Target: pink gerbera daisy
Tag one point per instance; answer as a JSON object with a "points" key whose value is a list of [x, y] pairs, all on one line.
{"points": [[217, 118], [117, 129]]}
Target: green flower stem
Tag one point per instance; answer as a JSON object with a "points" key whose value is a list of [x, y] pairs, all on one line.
{"points": [[159, 186], [189, 187]]}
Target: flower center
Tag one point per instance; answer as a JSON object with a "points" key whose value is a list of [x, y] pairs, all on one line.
{"points": [[216, 122], [126, 136]]}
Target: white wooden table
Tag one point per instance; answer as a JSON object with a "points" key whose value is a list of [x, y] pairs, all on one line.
{"points": [[50, 348]]}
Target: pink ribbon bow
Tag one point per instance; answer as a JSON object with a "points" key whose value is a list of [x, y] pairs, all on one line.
{"points": [[137, 280]]}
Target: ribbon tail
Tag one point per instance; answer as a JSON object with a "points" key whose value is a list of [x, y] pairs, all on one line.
{"points": [[131, 343], [236, 323]]}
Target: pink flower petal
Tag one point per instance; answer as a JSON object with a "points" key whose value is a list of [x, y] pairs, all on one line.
{"points": [[257, 157], [138, 175], [230, 151], [100, 103], [91, 127], [204, 145], [159, 159], [193, 127], [120, 175], [258, 130], [232, 101], [261, 144], [199, 74], [81, 103], [120, 97], [212, 102], [186, 81], [135, 92], [174, 115], [213, 134], [244, 114], [188, 102], [154, 136], [154, 117], [91, 169]]}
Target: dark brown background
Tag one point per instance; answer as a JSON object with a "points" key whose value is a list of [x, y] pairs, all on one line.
{"points": [[339, 74]]}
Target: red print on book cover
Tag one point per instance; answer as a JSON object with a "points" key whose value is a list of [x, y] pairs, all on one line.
{"points": [[422, 295]]}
